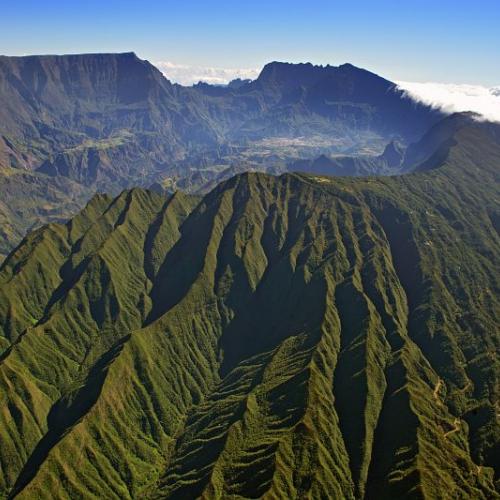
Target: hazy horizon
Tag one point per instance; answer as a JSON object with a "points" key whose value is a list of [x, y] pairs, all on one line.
{"points": [[449, 97], [427, 42]]}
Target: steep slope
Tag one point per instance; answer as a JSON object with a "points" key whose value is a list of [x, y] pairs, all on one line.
{"points": [[435, 145], [289, 337], [60, 109], [349, 102]]}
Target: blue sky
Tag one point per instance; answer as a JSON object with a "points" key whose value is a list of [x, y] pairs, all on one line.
{"points": [[412, 40]]}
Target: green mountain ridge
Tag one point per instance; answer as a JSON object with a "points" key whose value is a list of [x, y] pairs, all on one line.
{"points": [[296, 336]]}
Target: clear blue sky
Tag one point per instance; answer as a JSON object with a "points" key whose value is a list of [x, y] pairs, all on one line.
{"points": [[420, 40]]}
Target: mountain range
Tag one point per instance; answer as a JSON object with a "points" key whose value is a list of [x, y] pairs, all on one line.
{"points": [[105, 122], [292, 336]]}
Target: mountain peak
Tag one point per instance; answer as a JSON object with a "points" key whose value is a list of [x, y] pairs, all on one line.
{"points": [[300, 73], [336, 82], [393, 154], [237, 83]]}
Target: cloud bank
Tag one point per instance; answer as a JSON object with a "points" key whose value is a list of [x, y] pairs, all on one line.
{"points": [[188, 75], [453, 98]]}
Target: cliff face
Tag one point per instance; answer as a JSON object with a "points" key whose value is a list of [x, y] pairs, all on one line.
{"points": [[347, 95], [50, 103]]}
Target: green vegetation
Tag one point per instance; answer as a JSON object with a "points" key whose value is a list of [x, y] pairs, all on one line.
{"points": [[113, 141], [288, 337]]}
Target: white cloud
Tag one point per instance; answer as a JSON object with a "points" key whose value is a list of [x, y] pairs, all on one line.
{"points": [[452, 97], [187, 75]]}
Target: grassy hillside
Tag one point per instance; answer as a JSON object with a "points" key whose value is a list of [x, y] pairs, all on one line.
{"points": [[286, 337]]}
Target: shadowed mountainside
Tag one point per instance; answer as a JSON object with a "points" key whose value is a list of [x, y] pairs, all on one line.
{"points": [[294, 336]]}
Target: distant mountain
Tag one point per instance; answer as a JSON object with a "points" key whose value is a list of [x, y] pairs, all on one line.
{"points": [[112, 121], [56, 109], [387, 163], [344, 100], [291, 100], [429, 152], [105, 120], [238, 82], [291, 337]]}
